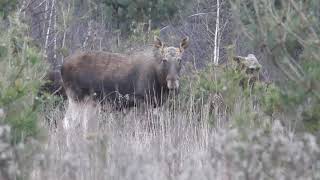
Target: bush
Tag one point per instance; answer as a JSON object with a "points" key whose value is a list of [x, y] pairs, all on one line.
{"points": [[20, 71], [287, 34], [241, 103], [6, 6], [127, 15]]}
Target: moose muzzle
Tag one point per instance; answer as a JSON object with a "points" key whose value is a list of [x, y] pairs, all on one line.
{"points": [[173, 82]]}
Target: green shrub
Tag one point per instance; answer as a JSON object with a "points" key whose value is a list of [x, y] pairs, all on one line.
{"points": [[269, 97], [127, 15], [201, 85], [288, 36], [6, 6], [20, 70]]}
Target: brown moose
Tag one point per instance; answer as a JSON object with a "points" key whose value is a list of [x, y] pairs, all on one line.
{"points": [[121, 79]]}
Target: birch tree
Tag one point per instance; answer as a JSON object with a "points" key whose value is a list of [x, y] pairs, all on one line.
{"points": [[49, 26], [216, 37]]}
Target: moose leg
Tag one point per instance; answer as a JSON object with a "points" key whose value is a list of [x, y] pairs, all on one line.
{"points": [[90, 120], [71, 118]]}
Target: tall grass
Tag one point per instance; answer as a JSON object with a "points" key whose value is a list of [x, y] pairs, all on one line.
{"points": [[147, 143]]}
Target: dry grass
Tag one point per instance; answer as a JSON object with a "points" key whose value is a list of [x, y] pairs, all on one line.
{"points": [[154, 144]]}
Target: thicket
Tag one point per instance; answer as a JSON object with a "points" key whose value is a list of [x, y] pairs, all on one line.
{"points": [[21, 66], [217, 90], [6, 6], [287, 33], [127, 15]]}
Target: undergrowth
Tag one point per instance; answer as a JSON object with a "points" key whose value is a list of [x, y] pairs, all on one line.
{"points": [[21, 68]]}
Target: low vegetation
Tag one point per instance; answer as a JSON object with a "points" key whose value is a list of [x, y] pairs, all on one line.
{"points": [[220, 125], [21, 67]]}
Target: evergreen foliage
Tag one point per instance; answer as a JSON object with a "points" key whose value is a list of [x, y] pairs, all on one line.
{"points": [[21, 66], [288, 33], [7, 6], [126, 15]]}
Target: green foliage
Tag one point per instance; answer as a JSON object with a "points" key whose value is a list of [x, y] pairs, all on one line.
{"points": [[126, 15], [20, 69], [138, 37], [6, 6], [240, 101], [288, 33], [270, 98]]}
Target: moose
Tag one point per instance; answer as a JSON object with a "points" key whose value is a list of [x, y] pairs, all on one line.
{"points": [[124, 80], [120, 80]]}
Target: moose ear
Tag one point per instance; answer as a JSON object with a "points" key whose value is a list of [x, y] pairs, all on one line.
{"points": [[184, 43], [157, 42]]}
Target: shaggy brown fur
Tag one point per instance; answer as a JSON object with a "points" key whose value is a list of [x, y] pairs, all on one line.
{"points": [[122, 79]]}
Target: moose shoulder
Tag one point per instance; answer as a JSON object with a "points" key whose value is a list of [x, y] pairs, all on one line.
{"points": [[123, 79]]}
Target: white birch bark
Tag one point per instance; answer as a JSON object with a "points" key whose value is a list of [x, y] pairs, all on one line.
{"points": [[49, 27], [45, 17], [216, 37], [55, 36]]}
